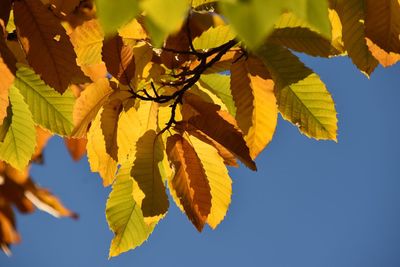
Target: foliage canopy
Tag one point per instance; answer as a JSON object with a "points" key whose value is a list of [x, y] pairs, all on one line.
{"points": [[165, 94]]}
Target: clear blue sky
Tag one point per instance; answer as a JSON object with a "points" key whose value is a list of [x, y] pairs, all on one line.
{"points": [[311, 203]]}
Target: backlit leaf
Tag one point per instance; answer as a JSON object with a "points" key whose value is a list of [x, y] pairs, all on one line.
{"points": [[109, 125], [98, 157], [382, 24], [119, 59], [257, 112], [49, 109], [125, 217], [114, 14], [352, 16], [219, 125], [384, 58], [214, 37], [88, 104], [220, 85], [46, 44], [76, 147], [189, 182], [145, 170], [218, 178], [20, 141], [301, 96]]}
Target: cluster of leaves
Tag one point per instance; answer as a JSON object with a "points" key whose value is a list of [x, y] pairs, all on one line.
{"points": [[168, 92]]}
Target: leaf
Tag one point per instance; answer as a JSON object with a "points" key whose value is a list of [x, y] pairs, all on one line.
{"points": [[20, 141], [6, 124], [6, 80], [88, 105], [158, 12], [219, 85], [47, 46], [109, 125], [5, 9], [352, 16], [214, 37], [301, 96], [257, 112], [217, 124], [87, 40], [382, 24], [98, 158], [254, 19], [125, 217], [145, 170], [42, 138], [114, 14], [49, 109], [189, 183], [128, 132], [296, 34], [384, 58], [218, 178], [119, 59], [76, 147]]}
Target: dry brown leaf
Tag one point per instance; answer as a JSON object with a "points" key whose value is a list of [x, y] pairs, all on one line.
{"points": [[48, 48]]}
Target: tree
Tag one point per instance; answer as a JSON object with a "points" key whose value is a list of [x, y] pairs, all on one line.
{"points": [[168, 92]]}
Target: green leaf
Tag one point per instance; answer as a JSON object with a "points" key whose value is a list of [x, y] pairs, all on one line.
{"points": [[301, 95], [20, 141], [124, 215], [254, 19], [219, 85], [49, 109], [214, 37], [164, 17], [114, 14]]}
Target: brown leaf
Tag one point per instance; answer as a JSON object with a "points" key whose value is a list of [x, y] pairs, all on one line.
{"points": [[76, 147], [8, 232], [218, 125], [48, 48], [109, 125], [189, 182], [119, 59], [382, 24]]}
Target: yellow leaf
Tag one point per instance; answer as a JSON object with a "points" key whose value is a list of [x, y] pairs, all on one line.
{"points": [[129, 130], [88, 105], [218, 178], [98, 158], [109, 125], [189, 182], [145, 170], [257, 113], [214, 37], [87, 40]]}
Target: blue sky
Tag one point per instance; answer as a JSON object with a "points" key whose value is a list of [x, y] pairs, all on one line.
{"points": [[311, 203]]}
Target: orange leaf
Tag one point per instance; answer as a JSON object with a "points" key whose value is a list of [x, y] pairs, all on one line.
{"points": [[48, 48], [189, 182], [76, 147]]}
